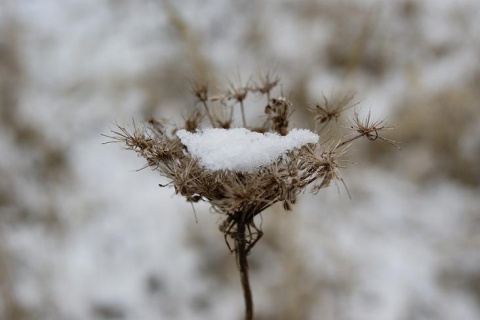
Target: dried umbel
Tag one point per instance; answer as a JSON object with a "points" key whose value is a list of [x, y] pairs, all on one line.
{"points": [[240, 195]]}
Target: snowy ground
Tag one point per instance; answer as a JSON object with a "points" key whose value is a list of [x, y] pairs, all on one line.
{"points": [[83, 235]]}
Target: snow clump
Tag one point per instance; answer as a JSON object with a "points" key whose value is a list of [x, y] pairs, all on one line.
{"points": [[240, 149]]}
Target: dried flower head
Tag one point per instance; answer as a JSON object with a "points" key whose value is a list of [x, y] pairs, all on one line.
{"points": [[200, 91], [192, 122], [241, 194], [371, 129], [266, 83], [327, 111], [238, 93], [278, 111]]}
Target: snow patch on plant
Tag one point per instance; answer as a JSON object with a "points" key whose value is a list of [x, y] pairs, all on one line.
{"points": [[240, 149]]}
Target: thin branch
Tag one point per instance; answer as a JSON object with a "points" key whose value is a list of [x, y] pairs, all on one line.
{"points": [[243, 114], [207, 112], [241, 253]]}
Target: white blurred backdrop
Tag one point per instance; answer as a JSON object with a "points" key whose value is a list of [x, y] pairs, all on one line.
{"points": [[84, 235]]}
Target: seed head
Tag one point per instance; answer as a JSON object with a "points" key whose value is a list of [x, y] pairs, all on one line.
{"points": [[241, 195]]}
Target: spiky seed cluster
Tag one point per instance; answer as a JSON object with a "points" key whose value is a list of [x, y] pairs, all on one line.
{"points": [[240, 196], [267, 82], [326, 111], [370, 128], [228, 192]]}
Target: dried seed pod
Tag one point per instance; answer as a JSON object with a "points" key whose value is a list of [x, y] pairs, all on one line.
{"points": [[240, 196], [278, 111]]}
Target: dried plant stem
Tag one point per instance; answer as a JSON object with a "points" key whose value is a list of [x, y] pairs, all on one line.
{"points": [[243, 114], [207, 111], [350, 140], [240, 195], [241, 253]]}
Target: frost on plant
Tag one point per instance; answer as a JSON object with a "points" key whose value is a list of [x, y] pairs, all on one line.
{"points": [[241, 171]]}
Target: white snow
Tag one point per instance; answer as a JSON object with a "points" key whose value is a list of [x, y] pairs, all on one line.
{"points": [[241, 149], [398, 250]]}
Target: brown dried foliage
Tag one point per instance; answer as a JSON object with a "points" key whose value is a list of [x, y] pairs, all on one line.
{"points": [[228, 192], [240, 196]]}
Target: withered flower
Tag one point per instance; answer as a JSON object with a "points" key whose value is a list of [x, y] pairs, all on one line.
{"points": [[326, 111], [238, 191], [266, 83]]}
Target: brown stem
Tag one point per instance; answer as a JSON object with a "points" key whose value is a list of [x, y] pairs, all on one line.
{"points": [[350, 140], [241, 253], [243, 114], [207, 111]]}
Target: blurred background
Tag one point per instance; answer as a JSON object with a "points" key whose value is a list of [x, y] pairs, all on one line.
{"points": [[85, 235]]}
